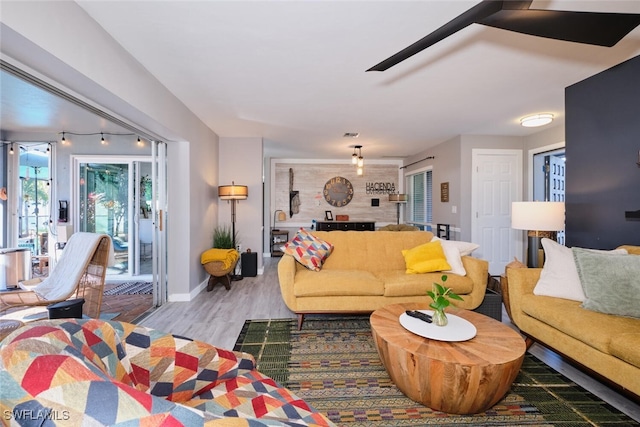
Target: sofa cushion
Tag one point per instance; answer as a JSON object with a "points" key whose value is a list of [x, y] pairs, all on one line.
{"points": [[592, 328], [255, 395], [625, 346], [559, 277], [465, 248], [454, 259], [425, 258], [308, 249], [370, 250], [611, 283], [399, 284], [52, 366], [337, 283]]}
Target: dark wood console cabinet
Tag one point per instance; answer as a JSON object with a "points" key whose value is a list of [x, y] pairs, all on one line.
{"points": [[345, 225]]}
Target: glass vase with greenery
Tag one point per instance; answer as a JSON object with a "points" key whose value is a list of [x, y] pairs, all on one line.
{"points": [[440, 296]]}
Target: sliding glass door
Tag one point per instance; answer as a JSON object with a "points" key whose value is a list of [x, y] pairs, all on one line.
{"points": [[113, 196]]}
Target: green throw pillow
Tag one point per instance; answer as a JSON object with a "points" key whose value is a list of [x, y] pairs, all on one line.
{"points": [[611, 283]]}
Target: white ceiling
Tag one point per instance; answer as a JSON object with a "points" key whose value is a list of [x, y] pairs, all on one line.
{"points": [[294, 72]]}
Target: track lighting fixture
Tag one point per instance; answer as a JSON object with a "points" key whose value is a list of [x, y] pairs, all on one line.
{"points": [[63, 141], [11, 149], [102, 141]]}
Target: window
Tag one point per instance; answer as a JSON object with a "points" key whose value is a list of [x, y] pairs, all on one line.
{"points": [[420, 204]]}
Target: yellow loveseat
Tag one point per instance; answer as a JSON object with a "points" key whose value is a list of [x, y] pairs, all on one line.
{"points": [[605, 344], [367, 271]]}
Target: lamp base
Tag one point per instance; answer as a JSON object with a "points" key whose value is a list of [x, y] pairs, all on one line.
{"points": [[236, 277], [535, 253]]}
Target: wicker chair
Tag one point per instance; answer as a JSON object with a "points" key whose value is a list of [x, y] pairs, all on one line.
{"points": [[85, 277], [219, 270]]}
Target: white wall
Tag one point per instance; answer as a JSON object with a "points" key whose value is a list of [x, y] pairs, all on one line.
{"points": [[60, 43], [241, 162], [452, 164]]}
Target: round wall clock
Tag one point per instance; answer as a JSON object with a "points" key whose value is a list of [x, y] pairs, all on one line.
{"points": [[338, 191]]}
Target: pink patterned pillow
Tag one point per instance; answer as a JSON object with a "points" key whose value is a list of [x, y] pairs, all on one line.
{"points": [[308, 250]]}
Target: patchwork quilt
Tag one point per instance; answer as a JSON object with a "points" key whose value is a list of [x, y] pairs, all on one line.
{"points": [[92, 372]]}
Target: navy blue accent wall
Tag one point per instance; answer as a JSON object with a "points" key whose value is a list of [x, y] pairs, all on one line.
{"points": [[602, 143]]}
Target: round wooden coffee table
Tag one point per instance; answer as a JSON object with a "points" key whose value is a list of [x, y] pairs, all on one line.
{"points": [[463, 377]]}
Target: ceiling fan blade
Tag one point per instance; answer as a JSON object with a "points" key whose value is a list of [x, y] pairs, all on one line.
{"points": [[476, 13], [596, 28]]}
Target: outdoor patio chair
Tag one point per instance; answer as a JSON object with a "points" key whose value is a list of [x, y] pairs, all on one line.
{"points": [[80, 273]]}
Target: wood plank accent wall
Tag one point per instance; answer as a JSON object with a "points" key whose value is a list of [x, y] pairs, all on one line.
{"points": [[309, 180]]}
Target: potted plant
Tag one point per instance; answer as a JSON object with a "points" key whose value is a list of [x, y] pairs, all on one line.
{"points": [[223, 238], [440, 296]]}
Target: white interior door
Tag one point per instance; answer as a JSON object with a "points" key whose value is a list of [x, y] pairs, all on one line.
{"points": [[497, 181]]}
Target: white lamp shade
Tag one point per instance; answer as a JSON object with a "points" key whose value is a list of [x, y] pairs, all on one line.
{"points": [[537, 216]]}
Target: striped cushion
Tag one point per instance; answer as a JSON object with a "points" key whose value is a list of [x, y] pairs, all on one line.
{"points": [[308, 250]]}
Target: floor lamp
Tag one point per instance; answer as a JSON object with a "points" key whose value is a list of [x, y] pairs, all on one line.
{"points": [[540, 219], [232, 193], [398, 199]]}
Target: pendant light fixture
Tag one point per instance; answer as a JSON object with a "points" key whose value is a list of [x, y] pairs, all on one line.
{"points": [[357, 159]]}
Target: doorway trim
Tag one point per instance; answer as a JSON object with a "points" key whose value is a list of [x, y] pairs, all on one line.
{"points": [[530, 172]]}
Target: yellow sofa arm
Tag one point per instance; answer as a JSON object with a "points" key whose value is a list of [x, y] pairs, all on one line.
{"points": [[478, 271], [633, 250], [520, 282], [286, 275]]}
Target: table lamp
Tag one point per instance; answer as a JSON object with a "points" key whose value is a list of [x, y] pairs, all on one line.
{"points": [[280, 216], [540, 219]]}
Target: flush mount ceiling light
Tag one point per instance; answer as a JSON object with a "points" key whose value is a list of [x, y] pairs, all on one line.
{"points": [[536, 120]]}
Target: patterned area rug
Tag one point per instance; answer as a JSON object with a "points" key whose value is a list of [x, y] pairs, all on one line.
{"points": [[332, 363], [131, 288]]}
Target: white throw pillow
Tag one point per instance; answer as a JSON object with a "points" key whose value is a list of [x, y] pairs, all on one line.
{"points": [[559, 277], [454, 260], [465, 248]]}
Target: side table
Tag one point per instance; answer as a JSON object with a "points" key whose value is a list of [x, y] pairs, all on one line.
{"points": [[43, 261], [278, 238]]}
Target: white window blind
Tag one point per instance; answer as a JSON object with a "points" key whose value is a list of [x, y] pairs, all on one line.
{"points": [[420, 199]]}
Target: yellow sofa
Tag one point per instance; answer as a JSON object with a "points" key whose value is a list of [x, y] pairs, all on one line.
{"points": [[366, 271], [604, 344]]}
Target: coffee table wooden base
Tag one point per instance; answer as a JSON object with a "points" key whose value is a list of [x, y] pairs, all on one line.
{"points": [[454, 377]]}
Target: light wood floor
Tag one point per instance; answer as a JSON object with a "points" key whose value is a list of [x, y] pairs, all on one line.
{"points": [[217, 317]]}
